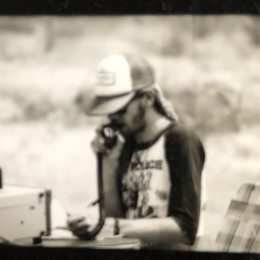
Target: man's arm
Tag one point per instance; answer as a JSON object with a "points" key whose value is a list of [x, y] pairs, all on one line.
{"points": [[186, 157], [185, 163], [114, 163], [153, 230], [112, 202]]}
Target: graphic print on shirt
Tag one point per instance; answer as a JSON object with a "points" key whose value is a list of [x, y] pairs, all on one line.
{"points": [[146, 185]]}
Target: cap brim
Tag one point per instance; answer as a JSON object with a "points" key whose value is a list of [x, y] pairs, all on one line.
{"points": [[108, 105]]}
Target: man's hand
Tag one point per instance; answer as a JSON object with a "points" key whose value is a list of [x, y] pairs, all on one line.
{"points": [[79, 226], [99, 145]]}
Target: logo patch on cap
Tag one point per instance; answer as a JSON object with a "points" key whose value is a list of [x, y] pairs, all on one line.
{"points": [[106, 78]]}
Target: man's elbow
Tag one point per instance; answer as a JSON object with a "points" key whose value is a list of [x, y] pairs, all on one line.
{"points": [[190, 235], [188, 230]]}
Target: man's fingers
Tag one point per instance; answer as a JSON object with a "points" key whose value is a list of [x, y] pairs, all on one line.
{"points": [[120, 138], [75, 222], [81, 231], [79, 227], [98, 145]]}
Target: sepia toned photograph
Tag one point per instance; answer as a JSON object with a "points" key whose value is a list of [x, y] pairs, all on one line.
{"points": [[130, 132]]}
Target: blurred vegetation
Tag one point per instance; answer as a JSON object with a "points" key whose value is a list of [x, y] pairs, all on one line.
{"points": [[206, 65]]}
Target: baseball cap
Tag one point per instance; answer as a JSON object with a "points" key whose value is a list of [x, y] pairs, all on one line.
{"points": [[118, 78]]}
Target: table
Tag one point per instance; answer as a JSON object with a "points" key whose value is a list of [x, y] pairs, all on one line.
{"points": [[64, 238]]}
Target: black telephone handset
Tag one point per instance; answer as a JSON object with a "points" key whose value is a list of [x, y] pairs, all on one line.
{"points": [[109, 132]]}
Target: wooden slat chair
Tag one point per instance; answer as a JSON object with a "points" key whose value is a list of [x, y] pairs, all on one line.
{"points": [[240, 230]]}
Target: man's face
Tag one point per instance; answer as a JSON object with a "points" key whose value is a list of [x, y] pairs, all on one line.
{"points": [[130, 117]]}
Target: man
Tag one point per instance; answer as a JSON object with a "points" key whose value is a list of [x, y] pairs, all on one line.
{"points": [[152, 174]]}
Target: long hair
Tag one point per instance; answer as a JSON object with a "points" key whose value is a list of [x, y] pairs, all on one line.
{"points": [[161, 104]]}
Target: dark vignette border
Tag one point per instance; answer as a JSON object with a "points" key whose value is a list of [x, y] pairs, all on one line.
{"points": [[15, 253], [131, 7], [121, 7]]}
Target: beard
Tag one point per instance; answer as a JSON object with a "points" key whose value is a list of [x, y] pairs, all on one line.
{"points": [[137, 123]]}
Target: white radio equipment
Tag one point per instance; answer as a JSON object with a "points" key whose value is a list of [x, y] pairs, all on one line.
{"points": [[24, 213]]}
